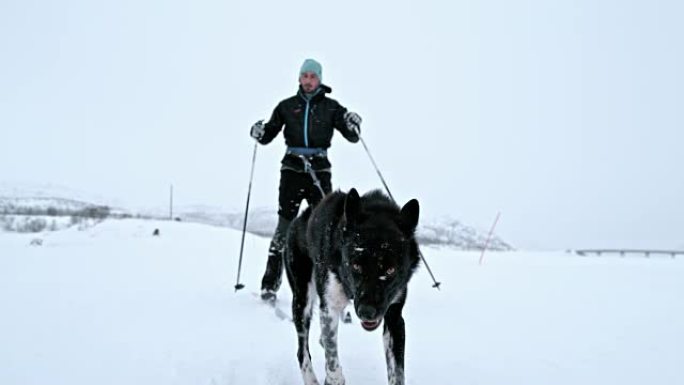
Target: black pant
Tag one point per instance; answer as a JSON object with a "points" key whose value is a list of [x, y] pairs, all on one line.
{"points": [[294, 187]]}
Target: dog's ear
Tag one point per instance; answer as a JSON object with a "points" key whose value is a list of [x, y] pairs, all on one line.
{"points": [[409, 216], [352, 207]]}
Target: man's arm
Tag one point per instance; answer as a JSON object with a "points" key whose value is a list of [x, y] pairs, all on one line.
{"points": [[273, 126], [350, 131]]}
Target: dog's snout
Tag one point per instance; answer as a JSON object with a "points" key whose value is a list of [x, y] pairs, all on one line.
{"points": [[367, 312]]}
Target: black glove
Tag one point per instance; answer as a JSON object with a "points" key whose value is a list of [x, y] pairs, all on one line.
{"points": [[353, 121], [258, 130]]}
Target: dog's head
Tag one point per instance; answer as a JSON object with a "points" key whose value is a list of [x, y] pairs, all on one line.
{"points": [[379, 252]]}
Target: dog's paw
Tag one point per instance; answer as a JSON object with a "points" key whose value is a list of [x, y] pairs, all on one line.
{"points": [[396, 378], [334, 377]]}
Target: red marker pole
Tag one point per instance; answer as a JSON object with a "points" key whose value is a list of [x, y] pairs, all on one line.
{"points": [[489, 237]]}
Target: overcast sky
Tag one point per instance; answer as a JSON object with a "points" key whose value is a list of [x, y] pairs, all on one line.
{"points": [[566, 116]]}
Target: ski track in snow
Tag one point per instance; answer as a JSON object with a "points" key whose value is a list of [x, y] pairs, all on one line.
{"points": [[114, 305]]}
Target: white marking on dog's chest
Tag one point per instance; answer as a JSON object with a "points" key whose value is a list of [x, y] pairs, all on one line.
{"points": [[334, 293], [397, 297]]}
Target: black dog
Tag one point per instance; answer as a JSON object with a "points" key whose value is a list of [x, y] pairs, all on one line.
{"points": [[350, 247]]}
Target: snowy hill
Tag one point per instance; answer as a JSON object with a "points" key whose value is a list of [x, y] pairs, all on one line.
{"points": [[443, 232], [47, 192], [40, 204], [454, 234], [52, 201], [114, 305], [32, 215]]}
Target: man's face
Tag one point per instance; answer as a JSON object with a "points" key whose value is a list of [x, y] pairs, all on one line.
{"points": [[309, 81]]}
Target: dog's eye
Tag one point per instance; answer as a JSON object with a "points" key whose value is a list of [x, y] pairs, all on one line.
{"points": [[356, 267], [391, 271]]}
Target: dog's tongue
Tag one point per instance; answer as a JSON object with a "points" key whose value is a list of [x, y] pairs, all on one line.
{"points": [[370, 325]]}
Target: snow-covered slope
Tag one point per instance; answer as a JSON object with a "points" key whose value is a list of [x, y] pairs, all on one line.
{"points": [[25, 191], [454, 234], [36, 199], [262, 221], [114, 305], [40, 204]]}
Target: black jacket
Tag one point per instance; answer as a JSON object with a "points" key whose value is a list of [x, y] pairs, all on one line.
{"points": [[314, 130]]}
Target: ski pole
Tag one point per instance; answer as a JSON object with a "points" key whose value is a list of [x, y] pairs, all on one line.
{"points": [[238, 285], [377, 170], [376, 167], [489, 237]]}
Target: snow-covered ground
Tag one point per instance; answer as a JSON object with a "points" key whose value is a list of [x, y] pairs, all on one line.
{"points": [[113, 305]]}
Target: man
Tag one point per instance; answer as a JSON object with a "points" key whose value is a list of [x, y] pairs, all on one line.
{"points": [[310, 118]]}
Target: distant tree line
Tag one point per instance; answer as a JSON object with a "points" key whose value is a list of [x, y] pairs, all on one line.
{"points": [[34, 222], [95, 212], [27, 224]]}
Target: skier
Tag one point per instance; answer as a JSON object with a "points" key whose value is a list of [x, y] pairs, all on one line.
{"points": [[309, 118]]}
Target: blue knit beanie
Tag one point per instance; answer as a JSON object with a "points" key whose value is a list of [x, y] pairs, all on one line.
{"points": [[310, 65]]}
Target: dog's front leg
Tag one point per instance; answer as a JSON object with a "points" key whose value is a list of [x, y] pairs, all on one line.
{"points": [[394, 337], [332, 304], [302, 303]]}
